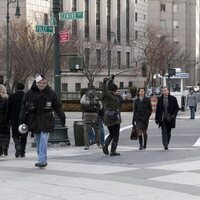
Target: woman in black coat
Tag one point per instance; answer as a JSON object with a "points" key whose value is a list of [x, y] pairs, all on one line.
{"points": [[142, 112], [166, 112], [4, 127]]}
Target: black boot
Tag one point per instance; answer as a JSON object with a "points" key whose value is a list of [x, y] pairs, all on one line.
{"points": [[113, 150], [140, 142], [105, 149], [145, 141]]}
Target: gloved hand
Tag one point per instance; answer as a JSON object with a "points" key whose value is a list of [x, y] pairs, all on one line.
{"points": [[105, 80], [112, 76]]}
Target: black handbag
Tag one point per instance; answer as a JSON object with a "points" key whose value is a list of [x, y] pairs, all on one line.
{"points": [[134, 134], [111, 114]]}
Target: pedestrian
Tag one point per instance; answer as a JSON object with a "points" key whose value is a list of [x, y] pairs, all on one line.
{"points": [[13, 112], [4, 125], [192, 102], [166, 112], [112, 115], [91, 104], [38, 105], [141, 115]]}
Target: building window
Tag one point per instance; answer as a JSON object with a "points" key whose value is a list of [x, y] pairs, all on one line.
{"points": [[128, 59], [87, 19], [87, 57], [163, 24], [135, 1], [121, 85], [175, 24], [98, 21], [119, 59], [130, 84], [46, 19], [98, 54], [175, 40], [144, 17], [136, 17], [162, 7], [64, 87], [127, 21], [136, 35], [118, 21], [175, 8], [77, 87], [74, 22]]}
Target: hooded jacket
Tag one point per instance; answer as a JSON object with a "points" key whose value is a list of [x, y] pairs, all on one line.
{"points": [[37, 109]]}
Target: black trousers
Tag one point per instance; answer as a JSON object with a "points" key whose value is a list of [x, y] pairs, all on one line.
{"points": [[166, 133], [113, 137], [20, 142]]}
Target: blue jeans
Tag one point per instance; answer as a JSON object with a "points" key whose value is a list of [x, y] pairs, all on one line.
{"points": [[41, 143], [101, 132], [192, 112], [91, 135]]}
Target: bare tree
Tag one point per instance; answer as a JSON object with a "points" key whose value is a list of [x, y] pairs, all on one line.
{"points": [[159, 52], [31, 53], [94, 54]]}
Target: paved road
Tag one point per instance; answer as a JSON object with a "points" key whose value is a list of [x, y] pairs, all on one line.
{"points": [[75, 174]]}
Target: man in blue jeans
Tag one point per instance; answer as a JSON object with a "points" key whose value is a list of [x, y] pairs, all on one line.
{"points": [[37, 112]]}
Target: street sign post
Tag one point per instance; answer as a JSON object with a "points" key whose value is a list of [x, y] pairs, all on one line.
{"points": [[71, 15], [44, 29], [64, 36]]}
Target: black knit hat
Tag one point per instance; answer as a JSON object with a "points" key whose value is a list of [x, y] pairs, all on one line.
{"points": [[112, 87], [20, 86]]}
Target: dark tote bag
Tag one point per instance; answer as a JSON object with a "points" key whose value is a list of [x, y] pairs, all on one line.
{"points": [[134, 134]]}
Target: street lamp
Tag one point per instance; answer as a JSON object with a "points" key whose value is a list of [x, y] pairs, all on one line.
{"points": [[111, 34], [17, 14]]}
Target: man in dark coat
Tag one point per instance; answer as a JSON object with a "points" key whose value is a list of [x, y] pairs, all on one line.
{"points": [[37, 112], [166, 112], [13, 112]]}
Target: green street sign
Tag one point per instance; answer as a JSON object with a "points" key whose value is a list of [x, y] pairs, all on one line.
{"points": [[70, 15], [44, 29]]}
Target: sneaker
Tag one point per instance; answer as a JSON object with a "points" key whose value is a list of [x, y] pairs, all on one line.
{"points": [[140, 148], [42, 164], [105, 150], [144, 147], [114, 154], [37, 164]]}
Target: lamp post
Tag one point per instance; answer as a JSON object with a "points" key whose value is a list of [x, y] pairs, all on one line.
{"points": [[111, 34], [17, 14]]}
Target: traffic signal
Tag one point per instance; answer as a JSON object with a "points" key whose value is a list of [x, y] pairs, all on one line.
{"points": [[56, 6], [75, 63], [172, 72]]}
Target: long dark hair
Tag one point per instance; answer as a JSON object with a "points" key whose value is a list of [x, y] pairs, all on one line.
{"points": [[142, 88]]}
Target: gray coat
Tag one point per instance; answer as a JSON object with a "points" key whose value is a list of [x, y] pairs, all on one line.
{"points": [[192, 99]]}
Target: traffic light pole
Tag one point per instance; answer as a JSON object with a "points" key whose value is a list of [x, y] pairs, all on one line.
{"points": [[57, 70], [60, 133]]}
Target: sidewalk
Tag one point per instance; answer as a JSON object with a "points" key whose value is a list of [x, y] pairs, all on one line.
{"points": [[68, 179]]}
